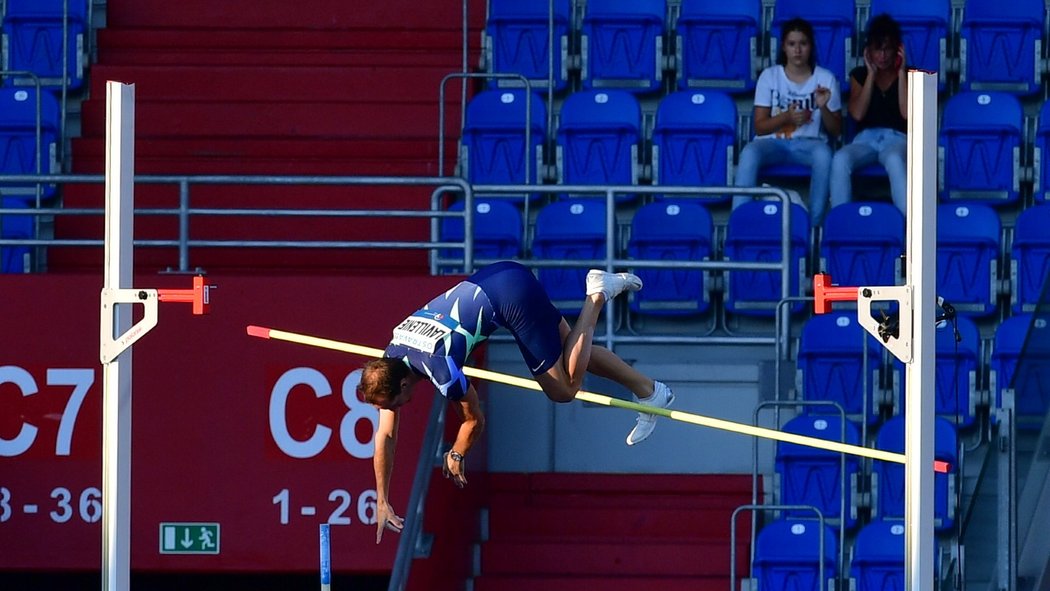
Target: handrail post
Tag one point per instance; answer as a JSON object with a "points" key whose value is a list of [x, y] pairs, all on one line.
{"points": [[184, 226], [428, 456]]}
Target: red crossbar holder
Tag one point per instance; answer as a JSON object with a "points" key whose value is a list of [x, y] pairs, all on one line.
{"points": [[197, 295], [824, 293]]}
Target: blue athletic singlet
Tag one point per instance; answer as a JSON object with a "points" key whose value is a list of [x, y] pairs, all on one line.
{"points": [[436, 340]]}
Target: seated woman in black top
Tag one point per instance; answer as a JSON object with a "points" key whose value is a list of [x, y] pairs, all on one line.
{"points": [[878, 103]]}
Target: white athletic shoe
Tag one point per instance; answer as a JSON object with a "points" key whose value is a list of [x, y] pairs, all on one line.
{"points": [[662, 398], [611, 284]]}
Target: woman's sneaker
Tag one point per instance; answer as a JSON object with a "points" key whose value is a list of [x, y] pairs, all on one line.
{"points": [[611, 284], [662, 398]]}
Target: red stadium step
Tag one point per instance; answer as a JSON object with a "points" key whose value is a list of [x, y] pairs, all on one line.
{"points": [[621, 583], [377, 46], [663, 490], [271, 148], [274, 119], [510, 520], [270, 166], [330, 14], [405, 83], [646, 557], [242, 87], [557, 531]]}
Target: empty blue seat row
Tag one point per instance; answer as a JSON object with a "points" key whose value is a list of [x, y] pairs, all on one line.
{"points": [[787, 556], [1020, 361], [959, 366], [34, 35], [787, 551], [29, 136], [888, 477], [862, 244], [576, 229], [600, 138], [673, 232], [14, 259], [816, 477], [999, 45], [828, 480], [716, 46], [833, 366]]}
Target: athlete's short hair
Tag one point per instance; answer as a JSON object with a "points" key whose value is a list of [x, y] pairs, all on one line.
{"points": [[381, 381]]}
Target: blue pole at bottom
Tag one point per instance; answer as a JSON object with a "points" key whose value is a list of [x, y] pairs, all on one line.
{"points": [[326, 557]]}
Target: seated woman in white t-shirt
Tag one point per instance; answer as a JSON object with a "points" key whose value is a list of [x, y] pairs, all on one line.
{"points": [[797, 107]]}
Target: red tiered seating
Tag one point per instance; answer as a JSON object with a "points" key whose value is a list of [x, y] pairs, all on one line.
{"points": [[243, 88]]}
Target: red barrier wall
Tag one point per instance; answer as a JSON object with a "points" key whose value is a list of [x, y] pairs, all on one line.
{"points": [[265, 438]]}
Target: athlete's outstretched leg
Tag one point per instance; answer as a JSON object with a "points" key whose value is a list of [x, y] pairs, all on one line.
{"points": [[606, 364], [564, 379]]}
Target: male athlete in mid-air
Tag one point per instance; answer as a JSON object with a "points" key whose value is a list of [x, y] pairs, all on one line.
{"points": [[435, 342]]}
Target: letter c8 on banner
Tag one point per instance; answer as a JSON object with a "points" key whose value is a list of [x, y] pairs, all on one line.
{"points": [[320, 437]]}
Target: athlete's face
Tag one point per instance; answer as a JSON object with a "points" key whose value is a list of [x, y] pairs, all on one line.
{"points": [[402, 398]]}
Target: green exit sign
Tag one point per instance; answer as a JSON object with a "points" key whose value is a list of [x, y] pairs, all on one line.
{"points": [[189, 538]]}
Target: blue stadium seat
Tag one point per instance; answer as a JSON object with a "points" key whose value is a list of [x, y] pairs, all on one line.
{"points": [[833, 26], [13, 259], [754, 234], [926, 28], [671, 231], [718, 44], [862, 244], [494, 149], [888, 477], [693, 140], [569, 229], [598, 139], [967, 257], [33, 38], [813, 476], [1042, 155], [831, 365], [1030, 258], [517, 41], [999, 45], [622, 44], [497, 230], [22, 151], [877, 562], [1021, 361], [957, 369], [787, 556], [980, 147]]}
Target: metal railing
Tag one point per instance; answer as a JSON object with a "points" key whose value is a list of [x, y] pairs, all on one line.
{"points": [[612, 262], [185, 211]]}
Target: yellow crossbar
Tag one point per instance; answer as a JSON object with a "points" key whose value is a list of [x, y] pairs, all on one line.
{"points": [[677, 415]]}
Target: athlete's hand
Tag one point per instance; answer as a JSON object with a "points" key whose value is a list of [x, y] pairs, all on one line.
{"points": [[387, 519], [454, 469]]}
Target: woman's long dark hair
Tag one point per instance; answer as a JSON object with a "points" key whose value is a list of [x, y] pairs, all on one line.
{"points": [[802, 26], [883, 29]]}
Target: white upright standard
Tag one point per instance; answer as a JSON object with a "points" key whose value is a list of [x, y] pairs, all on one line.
{"points": [[117, 333], [922, 277], [115, 328]]}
